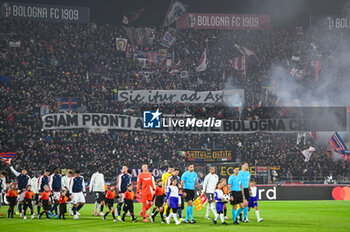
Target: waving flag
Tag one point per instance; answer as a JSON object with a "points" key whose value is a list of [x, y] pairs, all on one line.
{"points": [[133, 16], [168, 40], [68, 103], [308, 153], [337, 145], [176, 9], [249, 54], [7, 156], [139, 36], [238, 63], [121, 44], [203, 62], [334, 155], [301, 136], [153, 58], [200, 202]]}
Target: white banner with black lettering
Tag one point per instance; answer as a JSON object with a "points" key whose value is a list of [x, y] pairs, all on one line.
{"points": [[175, 125], [180, 96]]}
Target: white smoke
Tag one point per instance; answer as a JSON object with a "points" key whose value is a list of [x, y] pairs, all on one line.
{"points": [[233, 101]]}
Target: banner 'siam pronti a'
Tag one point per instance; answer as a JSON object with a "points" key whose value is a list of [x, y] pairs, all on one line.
{"points": [[63, 121]]}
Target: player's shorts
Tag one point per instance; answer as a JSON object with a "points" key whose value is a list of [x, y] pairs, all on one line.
{"points": [[246, 194], [237, 197], [21, 196], [63, 208], [252, 203], [99, 196], [78, 198], [159, 201], [210, 197], [189, 194], [46, 205], [56, 195], [146, 197], [109, 202]]}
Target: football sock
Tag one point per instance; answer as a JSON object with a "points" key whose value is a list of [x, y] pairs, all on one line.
{"points": [[55, 208], [80, 206], [234, 216], [212, 206], [222, 218], [179, 212], [208, 210], [119, 208], [239, 211], [187, 212], [257, 214], [155, 214], [191, 212], [216, 218], [245, 212]]}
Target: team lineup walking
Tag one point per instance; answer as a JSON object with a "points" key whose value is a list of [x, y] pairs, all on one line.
{"points": [[55, 195]]}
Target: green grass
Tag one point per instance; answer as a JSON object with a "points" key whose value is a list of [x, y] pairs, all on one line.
{"points": [[279, 216]]}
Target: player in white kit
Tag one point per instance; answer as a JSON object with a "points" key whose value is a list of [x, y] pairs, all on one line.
{"points": [[209, 186]]}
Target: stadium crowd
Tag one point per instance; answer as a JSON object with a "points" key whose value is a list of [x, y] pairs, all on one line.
{"points": [[57, 60]]}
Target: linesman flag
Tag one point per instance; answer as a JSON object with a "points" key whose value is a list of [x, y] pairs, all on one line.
{"points": [[200, 201]]}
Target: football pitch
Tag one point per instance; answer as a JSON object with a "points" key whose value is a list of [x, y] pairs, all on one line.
{"points": [[278, 216]]}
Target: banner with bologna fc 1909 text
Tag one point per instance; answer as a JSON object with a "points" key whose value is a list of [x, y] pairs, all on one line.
{"points": [[57, 13], [223, 21]]}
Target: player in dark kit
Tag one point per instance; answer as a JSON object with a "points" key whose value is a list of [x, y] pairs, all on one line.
{"points": [[12, 200], [111, 194], [3, 175], [42, 181], [23, 180], [129, 197], [55, 185], [77, 189], [158, 198], [28, 197], [63, 204], [123, 180], [45, 199]]}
